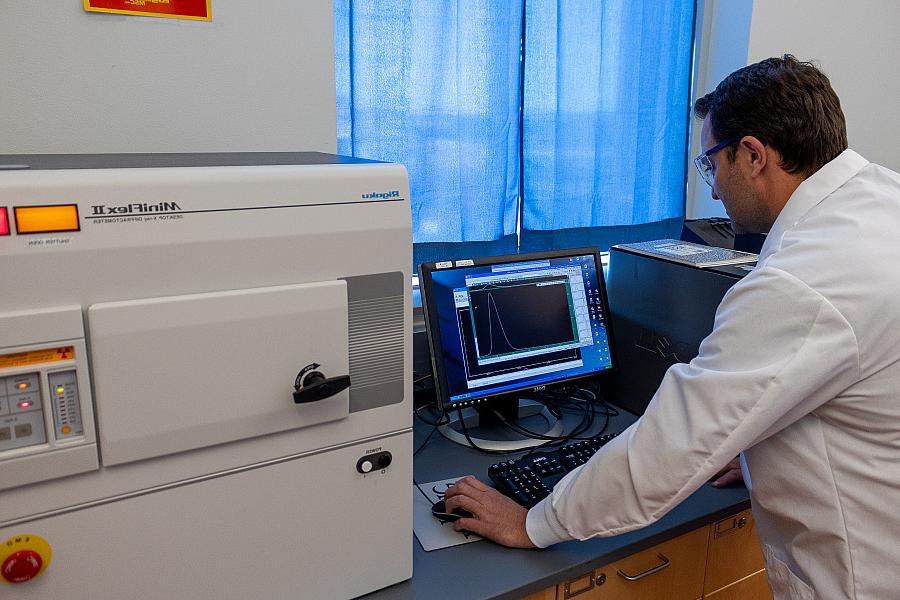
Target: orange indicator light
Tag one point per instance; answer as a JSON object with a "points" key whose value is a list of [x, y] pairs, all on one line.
{"points": [[22, 386], [46, 219]]}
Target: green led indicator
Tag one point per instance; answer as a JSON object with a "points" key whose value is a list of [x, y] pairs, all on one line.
{"points": [[60, 390]]}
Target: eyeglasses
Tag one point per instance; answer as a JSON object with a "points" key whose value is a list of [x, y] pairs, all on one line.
{"points": [[704, 165]]}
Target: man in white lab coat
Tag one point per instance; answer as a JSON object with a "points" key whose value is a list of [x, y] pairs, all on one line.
{"points": [[801, 373]]}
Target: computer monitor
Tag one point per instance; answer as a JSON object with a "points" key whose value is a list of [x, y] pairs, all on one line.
{"points": [[505, 328]]}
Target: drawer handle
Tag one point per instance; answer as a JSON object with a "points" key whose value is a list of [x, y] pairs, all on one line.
{"points": [[571, 591], [665, 563], [729, 526]]}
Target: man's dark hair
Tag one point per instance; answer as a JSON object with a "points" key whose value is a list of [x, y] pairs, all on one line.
{"points": [[788, 104]]}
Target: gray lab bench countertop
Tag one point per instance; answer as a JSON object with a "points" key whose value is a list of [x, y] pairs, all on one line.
{"points": [[484, 570]]}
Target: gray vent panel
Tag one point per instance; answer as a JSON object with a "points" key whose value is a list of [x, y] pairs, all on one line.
{"points": [[376, 340]]}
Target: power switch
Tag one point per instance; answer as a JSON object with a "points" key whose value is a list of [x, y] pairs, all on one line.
{"points": [[373, 462], [384, 459]]}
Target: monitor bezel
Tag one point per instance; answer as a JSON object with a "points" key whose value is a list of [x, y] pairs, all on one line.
{"points": [[435, 347]]}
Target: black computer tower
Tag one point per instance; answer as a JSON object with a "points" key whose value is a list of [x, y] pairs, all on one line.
{"points": [[660, 312]]}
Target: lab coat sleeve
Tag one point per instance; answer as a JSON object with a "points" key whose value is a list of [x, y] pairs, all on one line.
{"points": [[778, 350]]}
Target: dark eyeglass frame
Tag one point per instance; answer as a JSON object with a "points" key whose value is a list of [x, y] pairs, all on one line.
{"points": [[704, 165]]}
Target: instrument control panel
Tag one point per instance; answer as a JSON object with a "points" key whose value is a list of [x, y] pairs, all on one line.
{"points": [[46, 417], [21, 412], [24, 399]]}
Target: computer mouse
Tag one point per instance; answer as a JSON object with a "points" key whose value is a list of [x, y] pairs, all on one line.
{"points": [[439, 510]]}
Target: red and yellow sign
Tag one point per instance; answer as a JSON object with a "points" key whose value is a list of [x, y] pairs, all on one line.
{"points": [[174, 9], [24, 359]]}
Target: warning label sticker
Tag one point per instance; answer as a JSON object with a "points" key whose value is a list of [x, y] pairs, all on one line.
{"points": [[23, 359]]}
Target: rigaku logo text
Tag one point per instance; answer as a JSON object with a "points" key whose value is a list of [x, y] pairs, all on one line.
{"points": [[136, 208], [382, 195]]}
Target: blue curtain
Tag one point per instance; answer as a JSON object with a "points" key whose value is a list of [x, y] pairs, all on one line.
{"points": [[435, 85], [606, 111]]}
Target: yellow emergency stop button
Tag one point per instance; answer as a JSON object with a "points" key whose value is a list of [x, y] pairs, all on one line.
{"points": [[24, 557]]}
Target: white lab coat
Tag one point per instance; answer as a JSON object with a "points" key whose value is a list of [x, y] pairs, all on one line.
{"points": [[802, 373]]}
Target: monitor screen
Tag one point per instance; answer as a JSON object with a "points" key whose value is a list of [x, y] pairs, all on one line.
{"points": [[504, 324]]}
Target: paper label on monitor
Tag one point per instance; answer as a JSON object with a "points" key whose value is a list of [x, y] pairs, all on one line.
{"points": [[445, 264], [465, 263]]}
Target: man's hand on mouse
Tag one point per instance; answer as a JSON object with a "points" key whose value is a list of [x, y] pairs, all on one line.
{"points": [[496, 517]]}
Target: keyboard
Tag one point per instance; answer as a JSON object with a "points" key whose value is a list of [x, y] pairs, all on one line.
{"points": [[531, 478]]}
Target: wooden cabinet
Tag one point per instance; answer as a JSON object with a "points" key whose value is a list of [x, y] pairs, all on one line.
{"points": [[672, 570], [734, 553], [548, 594], [721, 561], [754, 587]]}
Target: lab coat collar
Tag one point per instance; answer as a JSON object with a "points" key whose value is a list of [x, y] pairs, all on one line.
{"points": [[811, 192]]}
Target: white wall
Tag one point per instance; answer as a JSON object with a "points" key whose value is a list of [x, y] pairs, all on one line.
{"points": [[854, 43], [857, 45], [723, 31], [259, 76]]}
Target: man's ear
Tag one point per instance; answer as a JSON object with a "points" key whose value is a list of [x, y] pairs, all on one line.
{"points": [[755, 154]]}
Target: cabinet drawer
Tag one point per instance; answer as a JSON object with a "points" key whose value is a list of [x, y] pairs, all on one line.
{"points": [[548, 594], [672, 570], [734, 551], [754, 587]]}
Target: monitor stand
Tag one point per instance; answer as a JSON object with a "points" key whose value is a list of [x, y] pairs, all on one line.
{"points": [[482, 421]]}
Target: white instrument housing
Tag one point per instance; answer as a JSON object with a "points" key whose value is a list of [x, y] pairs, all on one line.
{"points": [[155, 312]]}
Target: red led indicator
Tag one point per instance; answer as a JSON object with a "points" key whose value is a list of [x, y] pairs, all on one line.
{"points": [[4, 221], [25, 403]]}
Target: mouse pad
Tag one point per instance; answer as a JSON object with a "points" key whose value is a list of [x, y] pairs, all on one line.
{"points": [[431, 533]]}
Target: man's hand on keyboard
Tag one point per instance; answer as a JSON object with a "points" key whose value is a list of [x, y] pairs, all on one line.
{"points": [[496, 517]]}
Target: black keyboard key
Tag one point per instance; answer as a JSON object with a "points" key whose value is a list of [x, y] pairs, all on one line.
{"points": [[531, 478]]}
